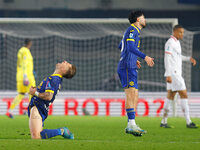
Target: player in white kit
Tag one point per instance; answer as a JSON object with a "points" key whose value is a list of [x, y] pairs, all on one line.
{"points": [[173, 73]]}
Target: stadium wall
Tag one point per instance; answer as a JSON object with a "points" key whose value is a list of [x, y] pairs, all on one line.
{"points": [[103, 104]]}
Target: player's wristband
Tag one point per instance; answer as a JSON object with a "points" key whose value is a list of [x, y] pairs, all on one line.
{"points": [[36, 93]]}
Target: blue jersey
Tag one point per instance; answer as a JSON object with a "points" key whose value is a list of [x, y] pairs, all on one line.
{"points": [[50, 84], [129, 46]]}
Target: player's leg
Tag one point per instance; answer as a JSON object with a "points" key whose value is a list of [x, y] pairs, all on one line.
{"points": [[185, 108], [17, 100], [170, 97], [21, 89], [129, 83], [35, 123], [14, 103], [131, 103]]}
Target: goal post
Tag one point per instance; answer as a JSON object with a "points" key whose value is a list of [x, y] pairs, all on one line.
{"points": [[92, 45]]}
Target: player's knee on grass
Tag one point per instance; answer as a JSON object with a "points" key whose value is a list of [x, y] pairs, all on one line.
{"points": [[35, 135]]}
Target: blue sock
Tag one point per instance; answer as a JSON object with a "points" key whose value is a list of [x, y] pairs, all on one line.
{"points": [[48, 133], [130, 113]]}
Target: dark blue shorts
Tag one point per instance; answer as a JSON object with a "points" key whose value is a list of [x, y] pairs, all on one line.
{"points": [[128, 77], [40, 106]]}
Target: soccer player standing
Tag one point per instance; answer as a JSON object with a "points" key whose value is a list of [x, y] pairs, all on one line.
{"points": [[173, 73], [42, 98], [128, 65], [25, 78]]}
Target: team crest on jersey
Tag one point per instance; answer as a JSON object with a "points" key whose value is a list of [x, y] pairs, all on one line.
{"points": [[130, 35], [131, 83]]}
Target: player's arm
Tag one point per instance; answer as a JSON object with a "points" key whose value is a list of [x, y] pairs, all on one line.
{"points": [[167, 62], [45, 96], [188, 58], [133, 49], [120, 45]]}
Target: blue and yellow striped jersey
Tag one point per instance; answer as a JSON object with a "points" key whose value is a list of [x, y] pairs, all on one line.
{"points": [[129, 46], [50, 84]]}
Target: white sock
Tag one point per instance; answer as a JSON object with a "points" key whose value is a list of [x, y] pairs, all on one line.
{"points": [[131, 122], [166, 111], [185, 108]]}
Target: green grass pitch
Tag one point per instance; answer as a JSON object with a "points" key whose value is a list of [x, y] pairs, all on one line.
{"points": [[100, 133]]}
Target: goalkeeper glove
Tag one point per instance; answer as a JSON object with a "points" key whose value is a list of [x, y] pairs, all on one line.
{"points": [[25, 80]]}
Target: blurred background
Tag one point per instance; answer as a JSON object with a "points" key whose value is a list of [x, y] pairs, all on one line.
{"points": [[186, 11], [84, 33]]}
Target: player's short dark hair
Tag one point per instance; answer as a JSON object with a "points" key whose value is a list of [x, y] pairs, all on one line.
{"points": [[178, 26], [71, 72], [27, 41], [134, 15]]}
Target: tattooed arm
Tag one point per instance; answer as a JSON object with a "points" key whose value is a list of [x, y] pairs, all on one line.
{"points": [[45, 96]]}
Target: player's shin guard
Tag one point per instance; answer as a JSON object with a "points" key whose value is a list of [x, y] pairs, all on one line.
{"points": [[185, 108], [166, 111], [16, 101], [48, 133], [131, 116]]}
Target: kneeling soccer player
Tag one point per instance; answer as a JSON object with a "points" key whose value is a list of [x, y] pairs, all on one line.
{"points": [[42, 98]]}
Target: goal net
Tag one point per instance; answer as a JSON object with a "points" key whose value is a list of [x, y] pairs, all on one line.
{"points": [[90, 44]]}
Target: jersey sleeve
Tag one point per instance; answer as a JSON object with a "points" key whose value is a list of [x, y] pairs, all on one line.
{"points": [[168, 58], [185, 58], [24, 62], [51, 85], [168, 47], [133, 49], [131, 44], [168, 66], [120, 45]]}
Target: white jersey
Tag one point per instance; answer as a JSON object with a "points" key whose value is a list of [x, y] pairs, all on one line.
{"points": [[173, 64], [173, 57]]}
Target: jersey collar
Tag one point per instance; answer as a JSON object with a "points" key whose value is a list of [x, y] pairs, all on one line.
{"points": [[138, 29], [58, 75], [174, 38]]}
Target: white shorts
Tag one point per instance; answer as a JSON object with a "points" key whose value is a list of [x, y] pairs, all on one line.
{"points": [[178, 83]]}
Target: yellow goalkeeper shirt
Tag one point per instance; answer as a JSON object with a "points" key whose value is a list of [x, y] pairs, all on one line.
{"points": [[24, 63]]}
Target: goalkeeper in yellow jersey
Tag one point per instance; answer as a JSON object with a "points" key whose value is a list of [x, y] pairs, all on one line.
{"points": [[25, 78]]}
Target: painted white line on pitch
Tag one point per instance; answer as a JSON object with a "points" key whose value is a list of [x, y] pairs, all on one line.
{"points": [[79, 140]]}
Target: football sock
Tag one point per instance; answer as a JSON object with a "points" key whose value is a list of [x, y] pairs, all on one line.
{"points": [[166, 111], [16, 101], [185, 108], [48, 133], [131, 116]]}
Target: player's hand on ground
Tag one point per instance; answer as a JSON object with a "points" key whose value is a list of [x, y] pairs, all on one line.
{"points": [[149, 61], [32, 90], [168, 79], [193, 61], [138, 64]]}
